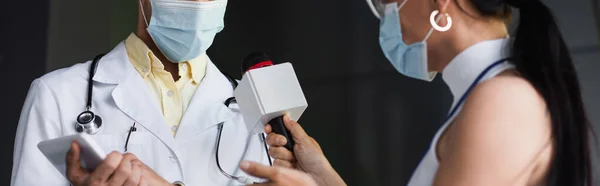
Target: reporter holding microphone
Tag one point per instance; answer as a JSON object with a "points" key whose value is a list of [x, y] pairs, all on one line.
{"points": [[306, 166], [517, 117]]}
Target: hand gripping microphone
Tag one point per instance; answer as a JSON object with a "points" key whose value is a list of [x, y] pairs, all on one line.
{"points": [[267, 92]]}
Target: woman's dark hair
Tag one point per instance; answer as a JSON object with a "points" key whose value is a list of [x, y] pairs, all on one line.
{"points": [[541, 56]]}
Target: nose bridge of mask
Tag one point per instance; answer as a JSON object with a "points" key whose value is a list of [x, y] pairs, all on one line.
{"points": [[189, 15]]}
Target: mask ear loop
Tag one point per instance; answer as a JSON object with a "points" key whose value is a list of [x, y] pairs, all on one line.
{"points": [[437, 20], [401, 5], [143, 13]]}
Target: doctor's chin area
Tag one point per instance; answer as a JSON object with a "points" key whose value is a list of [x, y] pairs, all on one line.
{"points": [[300, 93]]}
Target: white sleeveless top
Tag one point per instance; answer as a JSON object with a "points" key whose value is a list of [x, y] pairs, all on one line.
{"points": [[460, 73]]}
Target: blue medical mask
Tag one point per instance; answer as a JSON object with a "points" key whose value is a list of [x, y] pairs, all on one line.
{"points": [[410, 60], [183, 30]]}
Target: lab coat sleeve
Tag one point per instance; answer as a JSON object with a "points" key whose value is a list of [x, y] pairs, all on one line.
{"points": [[39, 121]]}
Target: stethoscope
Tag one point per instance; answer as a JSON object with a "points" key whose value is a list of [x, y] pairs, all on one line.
{"points": [[90, 123], [87, 121]]}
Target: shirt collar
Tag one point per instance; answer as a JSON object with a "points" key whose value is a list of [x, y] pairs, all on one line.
{"points": [[197, 67], [460, 73], [144, 60]]}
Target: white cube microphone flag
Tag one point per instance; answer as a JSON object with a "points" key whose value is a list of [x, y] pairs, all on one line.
{"points": [[267, 92]]}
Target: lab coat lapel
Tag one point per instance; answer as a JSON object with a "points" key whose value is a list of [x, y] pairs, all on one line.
{"points": [[133, 98], [207, 107], [132, 95]]}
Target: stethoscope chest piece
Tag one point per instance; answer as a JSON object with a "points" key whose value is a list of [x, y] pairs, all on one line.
{"points": [[88, 122]]}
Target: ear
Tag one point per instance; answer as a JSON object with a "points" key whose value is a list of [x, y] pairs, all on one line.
{"points": [[442, 5]]}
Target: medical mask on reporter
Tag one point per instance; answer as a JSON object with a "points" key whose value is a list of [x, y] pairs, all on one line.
{"points": [[410, 60], [183, 30]]}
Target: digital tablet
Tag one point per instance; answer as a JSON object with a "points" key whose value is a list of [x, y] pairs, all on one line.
{"points": [[56, 151]]}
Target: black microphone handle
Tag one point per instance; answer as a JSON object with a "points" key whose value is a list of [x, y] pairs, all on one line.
{"points": [[278, 127]]}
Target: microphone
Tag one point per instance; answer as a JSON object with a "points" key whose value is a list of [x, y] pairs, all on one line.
{"points": [[256, 60], [267, 92]]}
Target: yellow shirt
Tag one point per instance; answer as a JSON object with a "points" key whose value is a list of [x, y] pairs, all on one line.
{"points": [[173, 97]]}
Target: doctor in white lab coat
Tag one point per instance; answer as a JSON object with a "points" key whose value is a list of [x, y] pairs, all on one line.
{"points": [[122, 96]]}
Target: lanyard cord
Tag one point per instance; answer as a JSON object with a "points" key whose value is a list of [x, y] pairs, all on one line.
{"points": [[477, 80]]}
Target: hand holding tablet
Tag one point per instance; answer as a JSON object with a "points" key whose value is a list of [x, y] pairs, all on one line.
{"points": [[83, 162], [56, 151]]}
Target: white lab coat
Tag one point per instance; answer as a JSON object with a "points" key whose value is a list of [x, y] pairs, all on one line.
{"points": [[121, 97]]}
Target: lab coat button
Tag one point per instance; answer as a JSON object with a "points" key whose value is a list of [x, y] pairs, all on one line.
{"points": [[173, 158], [170, 93], [184, 67], [174, 128], [145, 70]]}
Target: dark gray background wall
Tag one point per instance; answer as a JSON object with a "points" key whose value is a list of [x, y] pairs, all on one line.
{"points": [[23, 36], [373, 123]]}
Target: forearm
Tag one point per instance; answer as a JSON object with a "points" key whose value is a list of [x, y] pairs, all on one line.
{"points": [[327, 176]]}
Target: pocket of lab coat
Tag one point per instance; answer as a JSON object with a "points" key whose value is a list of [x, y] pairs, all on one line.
{"points": [[140, 144]]}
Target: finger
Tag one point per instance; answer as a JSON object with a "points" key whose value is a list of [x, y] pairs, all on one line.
{"points": [[75, 173], [283, 163], [268, 129], [263, 184], [258, 170], [276, 140], [143, 182], [281, 153], [107, 167], [135, 178], [297, 131], [123, 171]]}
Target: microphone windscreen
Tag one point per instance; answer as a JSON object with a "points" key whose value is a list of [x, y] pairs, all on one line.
{"points": [[255, 60]]}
